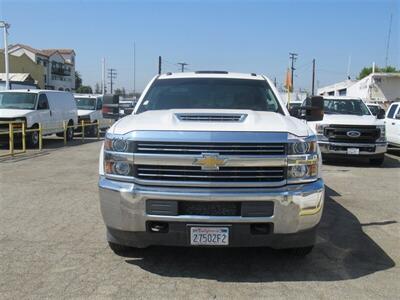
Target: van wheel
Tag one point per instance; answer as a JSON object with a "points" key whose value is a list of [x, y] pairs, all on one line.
{"points": [[377, 161], [70, 132], [94, 130], [300, 252], [33, 137]]}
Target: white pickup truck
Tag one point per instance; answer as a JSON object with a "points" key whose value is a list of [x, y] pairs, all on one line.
{"points": [[212, 159], [350, 129], [392, 123]]}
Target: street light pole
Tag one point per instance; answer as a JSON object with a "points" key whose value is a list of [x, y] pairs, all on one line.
{"points": [[5, 26]]}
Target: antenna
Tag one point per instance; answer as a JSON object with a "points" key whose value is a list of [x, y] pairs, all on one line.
{"points": [[388, 40]]}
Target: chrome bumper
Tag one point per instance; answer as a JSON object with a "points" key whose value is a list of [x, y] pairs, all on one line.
{"points": [[328, 148], [297, 207]]}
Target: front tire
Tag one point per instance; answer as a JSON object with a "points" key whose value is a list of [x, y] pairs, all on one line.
{"points": [[119, 249], [33, 137], [70, 132]]}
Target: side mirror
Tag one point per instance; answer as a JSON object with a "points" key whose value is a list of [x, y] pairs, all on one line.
{"points": [[110, 108], [295, 112], [381, 114], [314, 109]]}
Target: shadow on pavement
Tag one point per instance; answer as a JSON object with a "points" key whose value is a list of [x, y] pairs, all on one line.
{"points": [[390, 162], [343, 251]]}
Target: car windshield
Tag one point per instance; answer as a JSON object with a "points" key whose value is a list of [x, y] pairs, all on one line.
{"points": [[12, 100], [210, 93], [345, 107], [374, 109], [86, 103]]}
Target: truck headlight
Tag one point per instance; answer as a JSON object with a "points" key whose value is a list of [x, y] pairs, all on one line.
{"points": [[303, 161], [382, 137], [118, 160]]}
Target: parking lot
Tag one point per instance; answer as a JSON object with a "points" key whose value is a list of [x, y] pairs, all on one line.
{"points": [[52, 240]]}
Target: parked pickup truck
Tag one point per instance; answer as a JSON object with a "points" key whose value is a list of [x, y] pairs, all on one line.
{"points": [[392, 122], [349, 129], [212, 159]]}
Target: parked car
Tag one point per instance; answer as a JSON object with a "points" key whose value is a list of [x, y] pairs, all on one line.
{"points": [[374, 108], [349, 129], [392, 122], [34, 107], [126, 106], [90, 112], [211, 159]]}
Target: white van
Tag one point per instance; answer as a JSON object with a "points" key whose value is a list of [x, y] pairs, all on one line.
{"points": [[34, 107], [90, 112]]}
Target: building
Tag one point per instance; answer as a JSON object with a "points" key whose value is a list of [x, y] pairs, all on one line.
{"points": [[58, 64], [376, 87], [23, 64], [18, 81]]}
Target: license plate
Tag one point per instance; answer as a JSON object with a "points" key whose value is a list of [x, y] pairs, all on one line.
{"points": [[209, 236], [353, 151]]}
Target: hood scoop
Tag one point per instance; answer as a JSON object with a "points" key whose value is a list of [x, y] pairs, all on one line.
{"points": [[211, 117]]}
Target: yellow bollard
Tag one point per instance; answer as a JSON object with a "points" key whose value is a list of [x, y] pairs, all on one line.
{"points": [[11, 137], [65, 132], [98, 129], [23, 137], [40, 137], [83, 130]]}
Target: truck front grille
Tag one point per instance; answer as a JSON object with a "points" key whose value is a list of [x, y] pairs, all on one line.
{"points": [[224, 174], [338, 133], [220, 148]]}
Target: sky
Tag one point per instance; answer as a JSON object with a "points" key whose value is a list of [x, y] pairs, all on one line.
{"points": [[240, 36]]}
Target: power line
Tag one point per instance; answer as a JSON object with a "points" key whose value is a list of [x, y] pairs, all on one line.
{"points": [[112, 75]]}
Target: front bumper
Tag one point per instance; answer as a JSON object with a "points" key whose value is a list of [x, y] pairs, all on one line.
{"points": [[341, 148], [297, 211]]}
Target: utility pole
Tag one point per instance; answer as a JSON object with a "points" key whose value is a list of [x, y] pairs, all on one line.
{"points": [[388, 41], [103, 75], [182, 64], [5, 26], [134, 69], [313, 78], [112, 74], [159, 65], [293, 58], [274, 81]]}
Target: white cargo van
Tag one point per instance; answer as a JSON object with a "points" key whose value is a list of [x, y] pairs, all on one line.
{"points": [[90, 112], [34, 107]]}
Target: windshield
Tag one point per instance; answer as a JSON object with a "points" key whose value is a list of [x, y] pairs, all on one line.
{"points": [[345, 107], [374, 109], [17, 100], [86, 103], [210, 93]]}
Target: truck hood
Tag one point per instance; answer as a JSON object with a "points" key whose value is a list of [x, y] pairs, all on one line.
{"points": [[14, 113], [167, 120], [84, 112], [349, 120]]}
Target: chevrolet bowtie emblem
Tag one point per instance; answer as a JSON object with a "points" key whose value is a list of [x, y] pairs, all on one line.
{"points": [[209, 161]]}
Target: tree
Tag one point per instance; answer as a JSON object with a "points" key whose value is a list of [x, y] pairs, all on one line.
{"points": [[97, 88], [368, 70], [120, 92], [84, 89], [78, 80]]}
